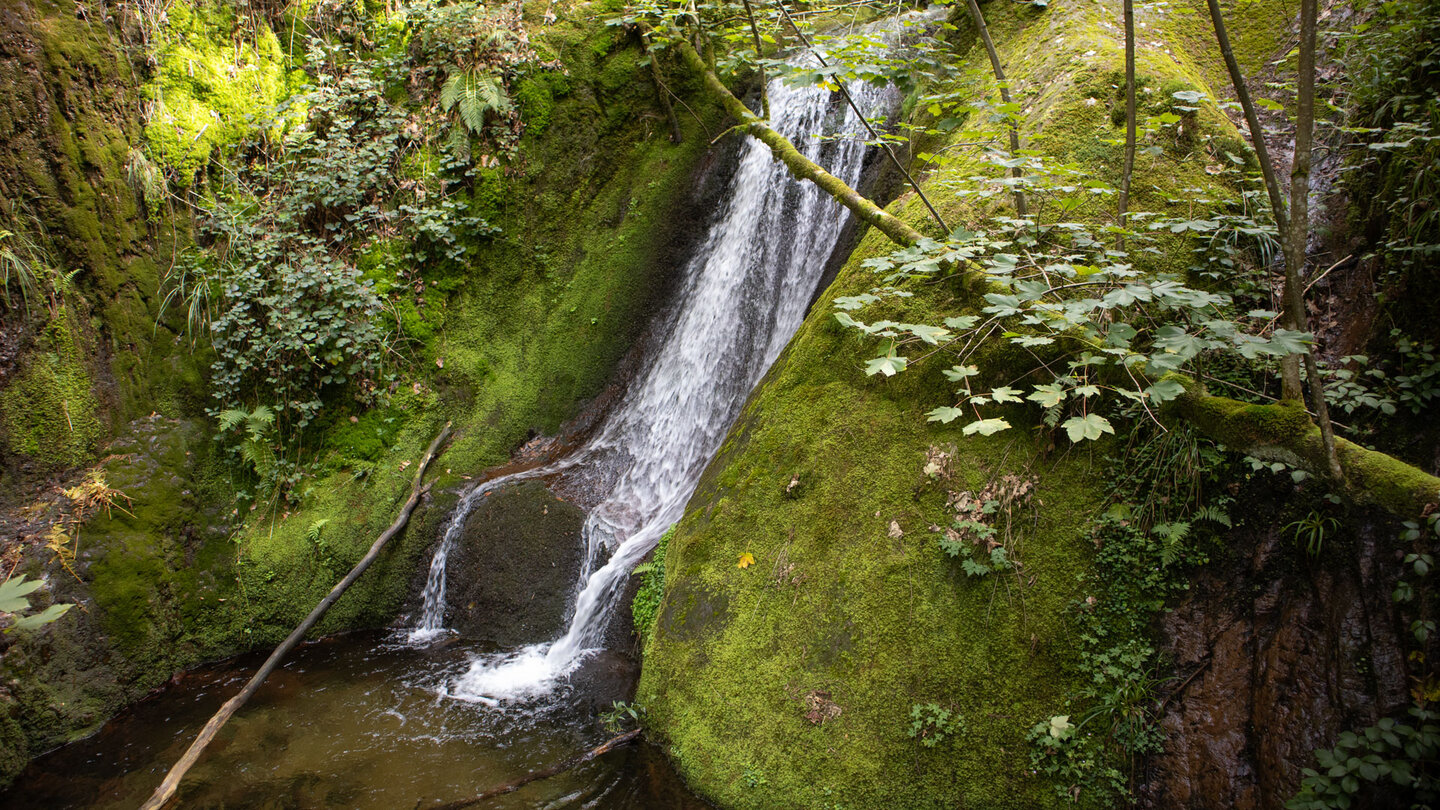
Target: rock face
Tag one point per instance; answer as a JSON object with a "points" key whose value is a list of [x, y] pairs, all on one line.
{"points": [[1286, 653], [513, 574]]}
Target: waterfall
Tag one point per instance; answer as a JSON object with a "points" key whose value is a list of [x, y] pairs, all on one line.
{"points": [[745, 292]]}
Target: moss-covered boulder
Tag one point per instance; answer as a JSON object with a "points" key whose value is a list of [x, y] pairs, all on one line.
{"points": [[815, 647]]}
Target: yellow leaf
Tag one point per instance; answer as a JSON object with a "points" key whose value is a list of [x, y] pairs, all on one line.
{"points": [[746, 560]]}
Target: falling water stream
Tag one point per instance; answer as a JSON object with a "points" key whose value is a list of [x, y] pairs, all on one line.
{"points": [[745, 293], [367, 722]]}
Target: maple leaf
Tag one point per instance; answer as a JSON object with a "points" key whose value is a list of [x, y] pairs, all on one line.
{"points": [[746, 560]]}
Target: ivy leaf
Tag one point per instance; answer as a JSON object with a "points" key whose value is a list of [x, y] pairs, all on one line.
{"points": [[889, 366], [985, 427], [1091, 426]]}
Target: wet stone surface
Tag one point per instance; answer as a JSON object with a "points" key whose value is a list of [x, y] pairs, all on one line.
{"points": [[512, 576]]}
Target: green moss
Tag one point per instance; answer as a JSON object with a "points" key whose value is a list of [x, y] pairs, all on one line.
{"points": [[218, 76], [646, 605], [836, 603], [49, 410]]}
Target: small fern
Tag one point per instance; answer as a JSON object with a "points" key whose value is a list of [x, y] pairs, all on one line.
{"points": [[471, 95], [312, 533]]}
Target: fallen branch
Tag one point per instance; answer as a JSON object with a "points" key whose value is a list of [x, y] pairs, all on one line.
{"points": [[553, 770], [166, 791], [800, 166]]}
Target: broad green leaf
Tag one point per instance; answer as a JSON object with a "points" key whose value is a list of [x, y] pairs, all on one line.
{"points": [[1164, 391], [1031, 341], [945, 415], [962, 322], [986, 427], [1047, 395], [854, 302], [1005, 394], [958, 373], [889, 366], [1091, 426], [930, 334], [14, 591], [42, 618]]}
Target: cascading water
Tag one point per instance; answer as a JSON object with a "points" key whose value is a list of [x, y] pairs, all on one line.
{"points": [[744, 295]]}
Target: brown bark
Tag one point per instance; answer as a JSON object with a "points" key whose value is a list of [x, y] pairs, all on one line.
{"points": [[166, 791], [800, 166]]}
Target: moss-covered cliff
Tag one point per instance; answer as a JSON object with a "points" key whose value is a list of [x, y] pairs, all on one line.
{"points": [[594, 212]]}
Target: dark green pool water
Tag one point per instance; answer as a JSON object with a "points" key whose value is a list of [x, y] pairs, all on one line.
{"points": [[352, 722]]}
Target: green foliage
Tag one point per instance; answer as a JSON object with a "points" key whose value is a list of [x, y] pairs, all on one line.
{"points": [[931, 724], [1392, 66], [1400, 760], [1095, 323], [1312, 531], [622, 714], [646, 605], [1409, 378], [21, 265], [14, 593], [1166, 504]]}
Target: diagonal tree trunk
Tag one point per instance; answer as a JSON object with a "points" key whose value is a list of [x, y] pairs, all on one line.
{"points": [[800, 166]]}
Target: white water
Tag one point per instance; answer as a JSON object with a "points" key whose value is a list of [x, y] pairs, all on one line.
{"points": [[744, 295]]}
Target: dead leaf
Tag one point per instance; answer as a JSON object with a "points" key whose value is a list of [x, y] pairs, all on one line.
{"points": [[895, 530], [746, 560]]}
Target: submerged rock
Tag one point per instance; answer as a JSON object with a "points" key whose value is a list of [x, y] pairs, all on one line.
{"points": [[513, 574]]}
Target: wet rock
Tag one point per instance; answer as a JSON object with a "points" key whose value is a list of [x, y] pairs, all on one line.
{"points": [[604, 678], [512, 576], [1282, 653]]}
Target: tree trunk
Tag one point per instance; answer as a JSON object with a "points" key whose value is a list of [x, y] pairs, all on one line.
{"points": [[1299, 229], [1285, 433], [1124, 206], [166, 791], [800, 166], [979, 19]]}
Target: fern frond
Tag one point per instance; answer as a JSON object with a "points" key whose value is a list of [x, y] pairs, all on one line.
{"points": [[472, 95], [312, 533], [229, 419]]}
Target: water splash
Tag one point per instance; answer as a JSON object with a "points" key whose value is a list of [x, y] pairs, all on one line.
{"points": [[745, 293]]}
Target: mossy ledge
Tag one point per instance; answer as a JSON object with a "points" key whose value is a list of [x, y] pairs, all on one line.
{"points": [[1283, 432]]}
